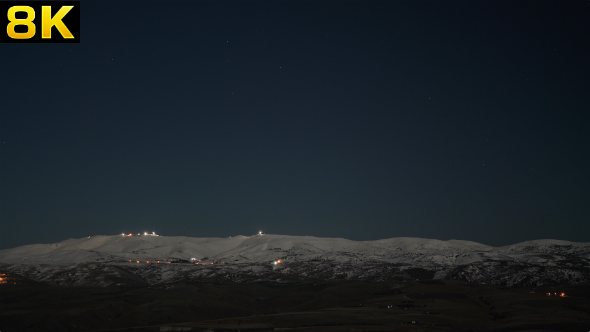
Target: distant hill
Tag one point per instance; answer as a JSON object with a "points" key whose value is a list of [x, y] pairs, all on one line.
{"points": [[124, 259]]}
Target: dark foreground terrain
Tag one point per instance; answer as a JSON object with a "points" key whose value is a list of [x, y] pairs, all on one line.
{"points": [[427, 305]]}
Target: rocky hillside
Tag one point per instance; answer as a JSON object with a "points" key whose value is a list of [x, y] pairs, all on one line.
{"points": [[147, 259]]}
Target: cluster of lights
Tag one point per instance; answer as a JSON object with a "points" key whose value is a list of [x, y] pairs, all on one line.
{"points": [[147, 262], [4, 279], [278, 261], [139, 234], [158, 262], [551, 294]]}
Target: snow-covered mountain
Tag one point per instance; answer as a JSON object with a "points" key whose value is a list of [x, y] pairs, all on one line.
{"points": [[124, 259]]}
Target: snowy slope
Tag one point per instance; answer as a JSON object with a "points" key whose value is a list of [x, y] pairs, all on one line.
{"points": [[107, 260], [268, 247]]}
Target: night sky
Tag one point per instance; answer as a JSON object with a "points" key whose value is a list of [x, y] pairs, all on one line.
{"points": [[364, 120]]}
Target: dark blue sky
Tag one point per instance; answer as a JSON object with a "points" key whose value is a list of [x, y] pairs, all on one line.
{"points": [[363, 120]]}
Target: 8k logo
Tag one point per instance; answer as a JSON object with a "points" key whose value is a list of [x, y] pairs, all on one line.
{"points": [[40, 21]]}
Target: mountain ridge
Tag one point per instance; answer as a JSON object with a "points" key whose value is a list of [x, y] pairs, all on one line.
{"points": [[275, 257], [182, 247]]}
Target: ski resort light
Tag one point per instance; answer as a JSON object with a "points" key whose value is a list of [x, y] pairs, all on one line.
{"points": [[144, 233], [123, 234]]}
